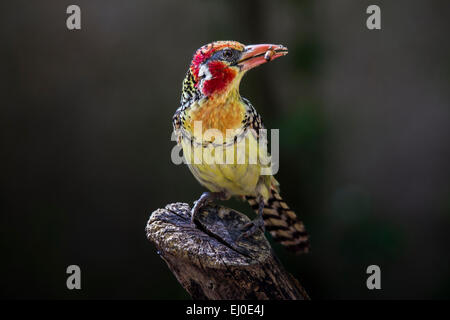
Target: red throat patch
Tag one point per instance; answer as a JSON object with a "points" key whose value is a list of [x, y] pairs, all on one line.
{"points": [[221, 76]]}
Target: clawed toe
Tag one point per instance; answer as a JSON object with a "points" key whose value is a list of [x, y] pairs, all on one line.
{"points": [[195, 210], [251, 228], [204, 199]]}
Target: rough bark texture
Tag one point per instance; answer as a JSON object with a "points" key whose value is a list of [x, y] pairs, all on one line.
{"points": [[210, 263]]}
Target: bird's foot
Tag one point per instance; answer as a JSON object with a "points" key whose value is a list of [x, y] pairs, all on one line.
{"points": [[200, 203], [204, 199], [252, 227]]}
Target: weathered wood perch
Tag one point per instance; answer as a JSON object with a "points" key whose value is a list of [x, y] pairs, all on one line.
{"points": [[210, 263]]}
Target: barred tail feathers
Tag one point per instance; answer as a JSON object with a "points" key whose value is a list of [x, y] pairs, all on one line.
{"points": [[282, 223]]}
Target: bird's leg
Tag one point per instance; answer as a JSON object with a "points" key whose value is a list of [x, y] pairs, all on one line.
{"points": [[204, 199], [257, 223]]}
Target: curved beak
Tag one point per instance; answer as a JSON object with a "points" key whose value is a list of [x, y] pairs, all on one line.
{"points": [[257, 54]]}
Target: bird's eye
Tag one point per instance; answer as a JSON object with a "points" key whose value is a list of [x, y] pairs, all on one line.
{"points": [[227, 53]]}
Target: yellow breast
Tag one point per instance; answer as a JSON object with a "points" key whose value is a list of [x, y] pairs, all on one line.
{"points": [[234, 168]]}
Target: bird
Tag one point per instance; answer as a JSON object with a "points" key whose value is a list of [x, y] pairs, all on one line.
{"points": [[215, 123]]}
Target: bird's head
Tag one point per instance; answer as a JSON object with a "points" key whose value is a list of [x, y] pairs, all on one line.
{"points": [[218, 67]]}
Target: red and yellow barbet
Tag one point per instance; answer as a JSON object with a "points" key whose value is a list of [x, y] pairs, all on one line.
{"points": [[210, 96]]}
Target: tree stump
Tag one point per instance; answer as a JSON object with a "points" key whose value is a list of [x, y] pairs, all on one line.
{"points": [[210, 262]]}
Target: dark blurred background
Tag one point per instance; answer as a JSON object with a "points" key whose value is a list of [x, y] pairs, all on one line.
{"points": [[85, 140]]}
